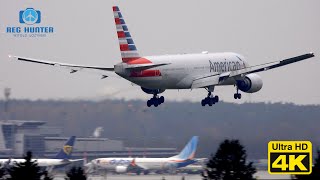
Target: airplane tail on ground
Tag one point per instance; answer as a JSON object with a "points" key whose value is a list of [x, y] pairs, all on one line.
{"points": [[188, 152], [128, 49], [66, 151]]}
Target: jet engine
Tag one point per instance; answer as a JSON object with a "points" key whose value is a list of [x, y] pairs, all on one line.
{"points": [[121, 169], [251, 83], [152, 91]]}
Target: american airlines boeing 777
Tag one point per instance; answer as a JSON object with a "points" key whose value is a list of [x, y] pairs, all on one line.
{"points": [[155, 74]]}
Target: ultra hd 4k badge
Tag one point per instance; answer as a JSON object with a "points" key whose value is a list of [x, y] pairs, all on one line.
{"points": [[289, 157], [30, 16]]}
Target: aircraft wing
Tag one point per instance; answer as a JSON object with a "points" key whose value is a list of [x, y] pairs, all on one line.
{"points": [[75, 160], [73, 67], [134, 165], [140, 166], [215, 79], [270, 65]]}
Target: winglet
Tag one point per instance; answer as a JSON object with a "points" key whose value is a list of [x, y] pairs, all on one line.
{"points": [[11, 56]]}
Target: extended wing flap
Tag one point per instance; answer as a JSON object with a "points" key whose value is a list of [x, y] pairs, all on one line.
{"points": [[205, 81]]}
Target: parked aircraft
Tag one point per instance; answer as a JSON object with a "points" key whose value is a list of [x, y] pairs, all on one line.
{"points": [[62, 158], [155, 74], [123, 165]]}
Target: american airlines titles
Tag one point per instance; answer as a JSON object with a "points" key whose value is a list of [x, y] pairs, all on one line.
{"points": [[225, 66]]}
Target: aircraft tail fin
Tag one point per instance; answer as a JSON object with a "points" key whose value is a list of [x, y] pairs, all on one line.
{"points": [[66, 151], [128, 49], [188, 152]]}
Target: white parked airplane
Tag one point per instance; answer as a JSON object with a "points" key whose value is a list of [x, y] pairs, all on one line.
{"points": [[62, 158], [155, 74], [123, 165]]}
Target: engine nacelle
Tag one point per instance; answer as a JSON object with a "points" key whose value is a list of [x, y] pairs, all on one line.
{"points": [[251, 83], [121, 169], [152, 91]]}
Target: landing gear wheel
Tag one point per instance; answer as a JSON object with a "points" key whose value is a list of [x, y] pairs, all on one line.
{"points": [[161, 99], [155, 102], [216, 99], [237, 96], [149, 103], [203, 102], [209, 101]]}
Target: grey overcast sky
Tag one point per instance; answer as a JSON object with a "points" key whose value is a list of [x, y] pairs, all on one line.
{"points": [[262, 31]]}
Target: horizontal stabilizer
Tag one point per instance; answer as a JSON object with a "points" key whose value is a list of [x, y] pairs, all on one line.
{"points": [[140, 67]]}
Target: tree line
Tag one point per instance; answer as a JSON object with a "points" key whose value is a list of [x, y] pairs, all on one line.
{"points": [[229, 162], [172, 124]]}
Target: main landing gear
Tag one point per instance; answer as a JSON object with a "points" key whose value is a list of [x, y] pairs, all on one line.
{"points": [[155, 100], [210, 99], [237, 95]]}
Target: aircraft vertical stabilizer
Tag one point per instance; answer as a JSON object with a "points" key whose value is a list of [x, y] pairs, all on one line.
{"points": [[128, 49], [66, 151], [188, 152]]}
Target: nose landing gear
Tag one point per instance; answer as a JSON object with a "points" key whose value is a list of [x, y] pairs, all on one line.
{"points": [[237, 95]]}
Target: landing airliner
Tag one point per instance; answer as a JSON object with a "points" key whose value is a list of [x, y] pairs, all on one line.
{"points": [[62, 158], [155, 74], [123, 165]]}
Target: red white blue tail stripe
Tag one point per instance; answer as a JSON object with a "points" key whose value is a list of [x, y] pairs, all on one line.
{"points": [[127, 47]]}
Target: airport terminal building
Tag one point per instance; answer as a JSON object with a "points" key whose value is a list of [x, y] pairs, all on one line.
{"points": [[19, 136]]}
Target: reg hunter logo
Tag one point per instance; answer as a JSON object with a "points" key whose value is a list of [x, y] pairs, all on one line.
{"points": [[30, 20], [289, 157]]}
